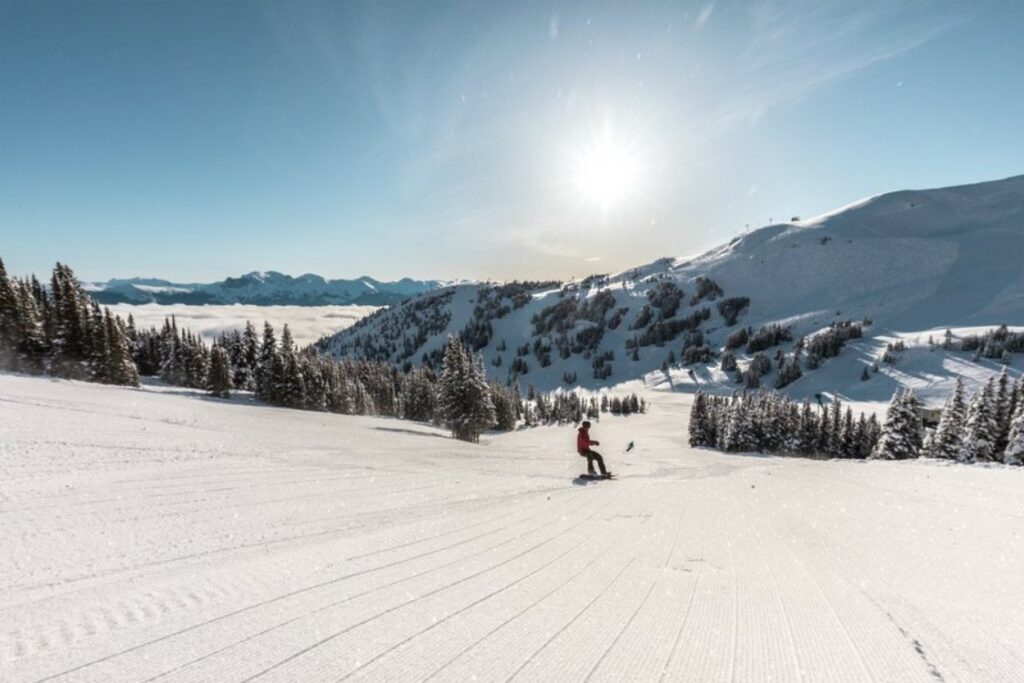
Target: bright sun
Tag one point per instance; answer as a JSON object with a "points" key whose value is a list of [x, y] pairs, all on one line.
{"points": [[606, 172]]}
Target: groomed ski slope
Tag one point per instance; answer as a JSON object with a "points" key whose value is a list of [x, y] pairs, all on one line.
{"points": [[151, 536]]}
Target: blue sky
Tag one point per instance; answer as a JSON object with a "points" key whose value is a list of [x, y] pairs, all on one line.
{"points": [[195, 140]]}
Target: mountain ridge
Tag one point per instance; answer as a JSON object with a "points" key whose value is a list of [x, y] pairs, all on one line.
{"points": [[909, 260], [262, 288]]}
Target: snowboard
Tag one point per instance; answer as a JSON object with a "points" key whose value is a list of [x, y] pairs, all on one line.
{"points": [[597, 477]]}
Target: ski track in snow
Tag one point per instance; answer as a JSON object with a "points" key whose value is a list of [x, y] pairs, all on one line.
{"points": [[151, 536]]}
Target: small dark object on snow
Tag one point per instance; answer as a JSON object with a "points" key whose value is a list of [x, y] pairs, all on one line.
{"points": [[629, 447], [597, 477]]}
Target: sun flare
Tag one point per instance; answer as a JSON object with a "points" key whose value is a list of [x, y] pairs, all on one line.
{"points": [[606, 172]]}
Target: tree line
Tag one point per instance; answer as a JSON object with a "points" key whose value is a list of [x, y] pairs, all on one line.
{"points": [[61, 331], [768, 422], [987, 427]]}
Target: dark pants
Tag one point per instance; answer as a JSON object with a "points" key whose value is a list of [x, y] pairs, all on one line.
{"points": [[591, 457]]}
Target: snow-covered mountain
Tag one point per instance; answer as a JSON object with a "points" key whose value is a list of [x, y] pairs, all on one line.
{"points": [[267, 288], [900, 262]]}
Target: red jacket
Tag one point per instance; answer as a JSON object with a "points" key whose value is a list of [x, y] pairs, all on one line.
{"points": [[583, 441]]}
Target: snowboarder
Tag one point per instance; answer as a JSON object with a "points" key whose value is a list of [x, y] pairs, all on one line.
{"points": [[583, 444]]}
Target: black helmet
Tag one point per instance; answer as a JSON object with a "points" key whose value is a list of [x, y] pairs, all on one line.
{"points": [[586, 423]]}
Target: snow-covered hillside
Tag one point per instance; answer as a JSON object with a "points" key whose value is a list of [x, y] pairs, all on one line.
{"points": [[154, 536], [899, 264], [263, 289]]}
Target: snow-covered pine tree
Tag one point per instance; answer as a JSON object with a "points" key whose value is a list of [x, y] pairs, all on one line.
{"points": [[96, 343], [916, 430], [290, 383], [900, 438], [739, 435], [808, 429], [700, 432], [979, 437], [1003, 410], [69, 327], [789, 370], [728, 361], [863, 442], [848, 436], [418, 388], [823, 442], [32, 347], [269, 359], [249, 359], [505, 402], [10, 322], [172, 367], [481, 414], [452, 390], [218, 381], [119, 366], [198, 361], [945, 441], [836, 430], [1014, 453], [1017, 398]]}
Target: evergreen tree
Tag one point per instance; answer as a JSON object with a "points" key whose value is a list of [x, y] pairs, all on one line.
{"points": [[901, 434], [10, 322], [249, 360], [69, 325], [463, 399], [789, 370], [1014, 453], [701, 433], [979, 438], [119, 368], [482, 415], [32, 347], [945, 442], [172, 369], [289, 387], [420, 395], [823, 444], [739, 433], [1003, 410], [268, 367], [864, 442], [218, 381], [505, 403], [847, 437], [808, 439], [835, 429]]}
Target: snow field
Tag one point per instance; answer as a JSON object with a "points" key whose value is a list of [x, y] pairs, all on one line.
{"points": [[159, 537]]}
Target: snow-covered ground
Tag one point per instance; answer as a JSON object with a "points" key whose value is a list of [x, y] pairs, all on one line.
{"points": [[926, 369], [307, 323], [150, 535]]}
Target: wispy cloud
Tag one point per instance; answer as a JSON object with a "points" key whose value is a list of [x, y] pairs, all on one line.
{"points": [[798, 46], [704, 15]]}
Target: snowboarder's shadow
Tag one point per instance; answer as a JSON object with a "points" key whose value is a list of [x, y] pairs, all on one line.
{"points": [[410, 431], [585, 481]]}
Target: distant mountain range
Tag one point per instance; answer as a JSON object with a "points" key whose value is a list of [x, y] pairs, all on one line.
{"points": [[267, 288]]}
